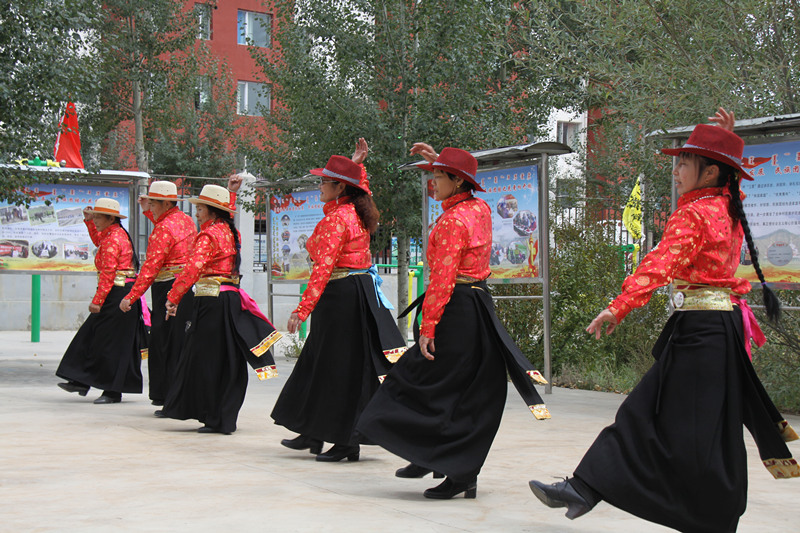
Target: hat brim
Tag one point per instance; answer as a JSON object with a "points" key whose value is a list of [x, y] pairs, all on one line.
{"points": [[676, 152], [320, 172], [196, 201], [460, 173], [92, 211], [160, 198]]}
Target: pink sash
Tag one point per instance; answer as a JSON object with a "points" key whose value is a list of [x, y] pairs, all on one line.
{"points": [[248, 304], [752, 331]]}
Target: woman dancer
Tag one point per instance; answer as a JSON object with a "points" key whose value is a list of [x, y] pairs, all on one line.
{"points": [[354, 338], [227, 330], [106, 352], [441, 405], [167, 250], [675, 454]]}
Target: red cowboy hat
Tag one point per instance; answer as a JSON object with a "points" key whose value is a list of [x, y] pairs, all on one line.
{"points": [[716, 143], [343, 169], [458, 162]]}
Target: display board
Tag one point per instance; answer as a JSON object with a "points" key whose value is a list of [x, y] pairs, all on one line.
{"points": [[513, 196], [772, 206], [292, 219], [53, 238]]}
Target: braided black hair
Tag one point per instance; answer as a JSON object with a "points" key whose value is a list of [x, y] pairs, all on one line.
{"points": [[133, 248], [228, 219], [729, 176]]}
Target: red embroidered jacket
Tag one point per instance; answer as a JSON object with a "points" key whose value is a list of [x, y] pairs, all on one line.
{"points": [[114, 252], [699, 246], [339, 240], [459, 245], [169, 245], [213, 254]]}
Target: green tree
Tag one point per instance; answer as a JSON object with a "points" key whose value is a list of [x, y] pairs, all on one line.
{"points": [[396, 72], [43, 45]]}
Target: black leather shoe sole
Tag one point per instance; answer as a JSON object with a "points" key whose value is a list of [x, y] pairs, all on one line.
{"points": [[206, 429], [449, 489], [413, 471], [71, 387], [159, 414], [302, 443], [335, 455], [106, 399]]}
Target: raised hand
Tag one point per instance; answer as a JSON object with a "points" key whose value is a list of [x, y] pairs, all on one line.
{"points": [[723, 119]]}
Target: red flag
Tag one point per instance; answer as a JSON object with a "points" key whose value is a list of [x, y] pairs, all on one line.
{"points": [[68, 142]]}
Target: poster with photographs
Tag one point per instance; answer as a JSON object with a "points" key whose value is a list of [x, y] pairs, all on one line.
{"points": [[773, 211], [293, 218], [513, 196], [53, 237]]}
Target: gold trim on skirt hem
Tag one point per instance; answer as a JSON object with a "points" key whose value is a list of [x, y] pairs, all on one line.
{"points": [[266, 344], [787, 432], [539, 411], [537, 376], [394, 354], [267, 372], [381, 378], [783, 468], [144, 353]]}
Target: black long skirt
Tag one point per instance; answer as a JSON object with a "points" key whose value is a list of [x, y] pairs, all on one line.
{"points": [[166, 339], [444, 414], [675, 454], [346, 354], [106, 352], [211, 377]]}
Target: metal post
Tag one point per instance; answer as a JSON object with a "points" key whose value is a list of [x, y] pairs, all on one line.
{"points": [[36, 306], [302, 331], [544, 247]]}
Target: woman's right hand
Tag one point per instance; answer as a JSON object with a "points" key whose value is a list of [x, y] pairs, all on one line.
{"points": [[144, 203], [596, 326], [361, 151], [294, 323], [426, 151], [427, 347], [86, 214], [724, 119]]}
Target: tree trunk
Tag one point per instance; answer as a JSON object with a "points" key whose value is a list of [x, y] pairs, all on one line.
{"points": [[138, 147], [402, 281]]}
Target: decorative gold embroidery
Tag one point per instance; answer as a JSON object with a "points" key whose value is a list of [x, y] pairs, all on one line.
{"points": [[210, 286], [394, 354], [267, 372], [537, 376], [539, 411], [169, 273], [266, 344], [381, 378], [699, 297], [120, 276], [783, 468], [144, 353], [787, 432]]}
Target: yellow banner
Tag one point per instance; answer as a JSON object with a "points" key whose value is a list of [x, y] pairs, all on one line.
{"points": [[632, 216]]}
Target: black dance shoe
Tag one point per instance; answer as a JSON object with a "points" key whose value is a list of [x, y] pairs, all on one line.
{"points": [[71, 386], [301, 442], [159, 414], [157, 403], [339, 452], [415, 471], [561, 494], [209, 429], [449, 488], [107, 399]]}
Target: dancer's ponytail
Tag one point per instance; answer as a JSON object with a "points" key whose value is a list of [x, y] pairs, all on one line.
{"points": [[771, 301], [228, 219], [133, 248]]}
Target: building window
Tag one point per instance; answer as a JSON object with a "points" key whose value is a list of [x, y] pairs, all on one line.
{"points": [[567, 133], [253, 98], [202, 92], [254, 29], [202, 13]]}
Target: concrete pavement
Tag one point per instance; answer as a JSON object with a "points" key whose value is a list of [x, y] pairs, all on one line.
{"points": [[69, 465]]}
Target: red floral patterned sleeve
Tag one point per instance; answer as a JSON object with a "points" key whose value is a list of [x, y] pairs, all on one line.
{"points": [[329, 236], [158, 247], [448, 240], [106, 263], [678, 247], [201, 254], [93, 233]]}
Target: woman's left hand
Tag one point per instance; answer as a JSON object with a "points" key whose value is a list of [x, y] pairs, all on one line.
{"points": [[724, 119], [427, 347], [294, 323], [172, 309], [94, 308], [234, 182]]}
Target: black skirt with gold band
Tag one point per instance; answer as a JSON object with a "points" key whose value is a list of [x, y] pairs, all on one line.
{"points": [[444, 414], [166, 338], [106, 352], [352, 345], [675, 454], [211, 377]]}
